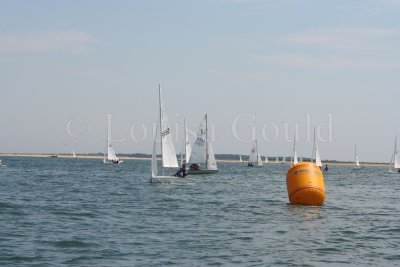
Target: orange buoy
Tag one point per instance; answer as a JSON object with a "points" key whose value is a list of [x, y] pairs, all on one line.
{"points": [[305, 184]]}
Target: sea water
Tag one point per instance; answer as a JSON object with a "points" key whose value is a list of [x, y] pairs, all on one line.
{"points": [[80, 212]]}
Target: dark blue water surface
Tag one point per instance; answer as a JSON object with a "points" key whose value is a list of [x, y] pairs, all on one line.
{"points": [[80, 212]]}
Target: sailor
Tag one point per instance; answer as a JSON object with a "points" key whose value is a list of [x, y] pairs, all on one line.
{"points": [[182, 171], [326, 168]]}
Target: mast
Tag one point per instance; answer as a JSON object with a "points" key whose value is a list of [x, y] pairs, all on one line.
{"points": [[161, 130], [355, 154], [393, 161], [206, 142], [257, 150], [294, 147], [184, 139], [313, 158]]}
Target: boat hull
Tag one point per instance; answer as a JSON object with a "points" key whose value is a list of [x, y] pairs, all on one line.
{"points": [[168, 180], [202, 172]]}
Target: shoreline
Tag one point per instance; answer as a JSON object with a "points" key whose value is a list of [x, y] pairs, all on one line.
{"points": [[367, 164]]}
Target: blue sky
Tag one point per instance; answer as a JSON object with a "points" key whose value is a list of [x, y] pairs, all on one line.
{"points": [[63, 61]]}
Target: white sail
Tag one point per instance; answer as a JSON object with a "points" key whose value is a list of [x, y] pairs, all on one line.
{"points": [[167, 143], [396, 160], [266, 159], [154, 168], [199, 148], [283, 159], [295, 158], [111, 153], [277, 159], [211, 162], [253, 153], [356, 162], [259, 160], [317, 158], [188, 148], [73, 154], [240, 158]]}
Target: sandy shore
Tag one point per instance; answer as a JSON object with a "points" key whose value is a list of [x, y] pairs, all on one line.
{"points": [[369, 164]]}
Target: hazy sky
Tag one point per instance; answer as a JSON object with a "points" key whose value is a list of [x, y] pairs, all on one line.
{"points": [[65, 64]]}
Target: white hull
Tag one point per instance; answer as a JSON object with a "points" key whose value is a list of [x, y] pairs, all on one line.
{"points": [[168, 180], [110, 162]]}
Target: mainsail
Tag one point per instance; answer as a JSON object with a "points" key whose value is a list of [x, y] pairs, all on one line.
{"points": [[199, 149], [356, 162], [211, 162], [255, 156], [316, 156], [295, 158], [169, 159], [396, 160], [111, 153]]}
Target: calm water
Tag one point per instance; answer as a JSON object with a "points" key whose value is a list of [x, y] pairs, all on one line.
{"points": [[81, 212]]}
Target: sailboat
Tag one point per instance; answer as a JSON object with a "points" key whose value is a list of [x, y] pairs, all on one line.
{"points": [[356, 161], [277, 159], [316, 158], [240, 159], [186, 148], [109, 155], [254, 157], [74, 155], [395, 161], [266, 159], [295, 158], [168, 154], [2, 165], [202, 159]]}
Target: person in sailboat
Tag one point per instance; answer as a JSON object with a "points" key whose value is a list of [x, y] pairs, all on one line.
{"points": [[182, 171], [326, 168], [194, 167], [115, 161], [250, 164]]}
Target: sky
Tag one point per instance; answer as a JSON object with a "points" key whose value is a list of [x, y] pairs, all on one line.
{"points": [[258, 68]]}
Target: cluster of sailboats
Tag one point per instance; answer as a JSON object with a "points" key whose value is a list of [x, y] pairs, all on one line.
{"points": [[198, 157]]}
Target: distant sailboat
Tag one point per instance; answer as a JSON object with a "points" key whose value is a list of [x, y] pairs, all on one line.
{"points": [[316, 158], [2, 165], [283, 160], [254, 157], [266, 159], [295, 158], [168, 154], [109, 155], [202, 159], [240, 159], [74, 155], [276, 159], [186, 149], [395, 160], [356, 161]]}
